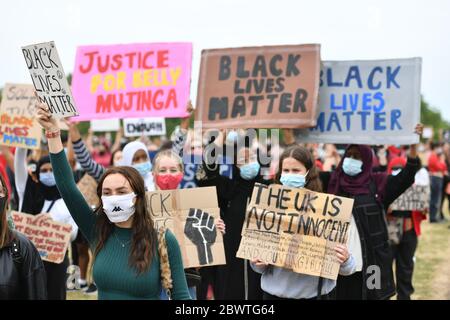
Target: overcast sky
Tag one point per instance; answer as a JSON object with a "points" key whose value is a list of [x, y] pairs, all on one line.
{"points": [[346, 30]]}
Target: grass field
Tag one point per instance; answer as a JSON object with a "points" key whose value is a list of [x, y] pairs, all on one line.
{"points": [[431, 274]]}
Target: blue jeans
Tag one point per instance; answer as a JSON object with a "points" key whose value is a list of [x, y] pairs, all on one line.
{"points": [[435, 197], [192, 293]]}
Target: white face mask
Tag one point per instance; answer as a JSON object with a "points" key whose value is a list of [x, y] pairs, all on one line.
{"points": [[119, 208]]}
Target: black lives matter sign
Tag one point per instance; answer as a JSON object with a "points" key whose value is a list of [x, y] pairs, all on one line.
{"points": [[49, 79], [259, 87]]}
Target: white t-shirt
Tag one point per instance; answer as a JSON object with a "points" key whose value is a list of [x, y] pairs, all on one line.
{"points": [[60, 213], [354, 245]]}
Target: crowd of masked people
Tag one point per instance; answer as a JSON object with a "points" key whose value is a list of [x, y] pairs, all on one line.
{"points": [[121, 255]]}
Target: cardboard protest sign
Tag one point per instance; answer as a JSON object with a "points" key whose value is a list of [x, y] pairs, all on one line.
{"points": [[49, 79], [295, 229], [416, 197], [88, 188], [367, 102], [132, 80], [18, 125], [107, 125], [191, 214], [136, 127], [50, 238], [259, 87]]}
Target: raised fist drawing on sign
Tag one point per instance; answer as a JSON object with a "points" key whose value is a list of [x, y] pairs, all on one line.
{"points": [[201, 230]]}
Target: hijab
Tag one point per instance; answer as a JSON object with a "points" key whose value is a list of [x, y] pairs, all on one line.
{"points": [[359, 184]]}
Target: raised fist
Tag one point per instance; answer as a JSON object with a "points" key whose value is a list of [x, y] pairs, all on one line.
{"points": [[201, 230]]}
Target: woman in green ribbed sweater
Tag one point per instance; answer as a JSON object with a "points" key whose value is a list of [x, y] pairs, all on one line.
{"points": [[120, 232]]}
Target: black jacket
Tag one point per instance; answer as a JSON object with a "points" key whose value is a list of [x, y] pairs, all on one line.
{"points": [[369, 213], [22, 273], [238, 280]]}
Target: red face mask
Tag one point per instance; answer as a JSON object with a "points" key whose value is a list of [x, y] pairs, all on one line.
{"points": [[168, 181]]}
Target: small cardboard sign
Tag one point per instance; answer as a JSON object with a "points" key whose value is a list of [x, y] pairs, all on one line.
{"points": [[295, 229], [50, 238], [136, 127], [88, 188], [191, 214], [18, 124], [49, 78], [415, 198]]}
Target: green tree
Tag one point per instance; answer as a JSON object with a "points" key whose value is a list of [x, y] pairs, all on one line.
{"points": [[432, 117]]}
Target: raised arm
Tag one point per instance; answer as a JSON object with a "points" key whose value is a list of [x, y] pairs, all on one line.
{"points": [[82, 154], [181, 135], [75, 202], [398, 184], [21, 173], [116, 145]]}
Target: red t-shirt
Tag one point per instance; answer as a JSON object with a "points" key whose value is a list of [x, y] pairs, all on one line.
{"points": [[435, 164]]}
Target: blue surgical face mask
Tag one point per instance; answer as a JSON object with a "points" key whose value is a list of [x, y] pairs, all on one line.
{"points": [[250, 171], [293, 180], [143, 168], [47, 179], [352, 167]]}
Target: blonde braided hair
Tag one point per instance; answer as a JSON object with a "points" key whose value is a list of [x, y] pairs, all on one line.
{"points": [[166, 275]]}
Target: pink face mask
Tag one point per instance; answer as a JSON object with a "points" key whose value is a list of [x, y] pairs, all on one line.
{"points": [[168, 181]]}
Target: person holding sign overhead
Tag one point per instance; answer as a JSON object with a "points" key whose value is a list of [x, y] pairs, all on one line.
{"points": [[168, 171], [405, 226], [121, 232], [368, 236], [238, 280], [297, 169]]}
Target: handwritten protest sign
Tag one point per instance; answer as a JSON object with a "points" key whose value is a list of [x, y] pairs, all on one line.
{"points": [[18, 125], [259, 87], [133, 80], [107, 125], [135, 127], [49, 79], [295, 229], [50, 238], [367, 102], [416, 197], [88, 188], [191, 214]]}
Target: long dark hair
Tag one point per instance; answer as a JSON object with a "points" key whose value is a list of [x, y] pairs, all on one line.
{"points": [[144, 235], [6, 236], [302, 154]]}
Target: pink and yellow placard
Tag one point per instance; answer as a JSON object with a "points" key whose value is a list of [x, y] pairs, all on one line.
{"points": [[132, 80]]}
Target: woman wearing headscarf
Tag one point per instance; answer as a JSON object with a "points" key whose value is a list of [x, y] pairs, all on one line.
{"points": [[135, 154], [368, 236], [40, 195]]}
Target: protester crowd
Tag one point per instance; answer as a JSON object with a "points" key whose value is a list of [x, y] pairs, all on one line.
{"points": [[121, 255]]}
